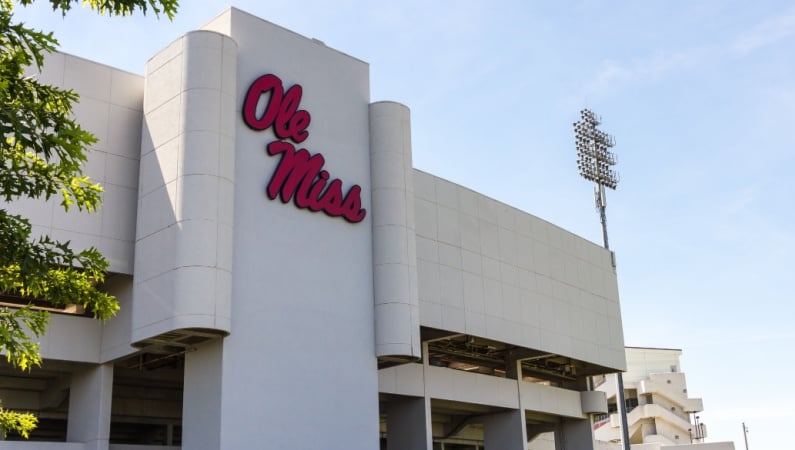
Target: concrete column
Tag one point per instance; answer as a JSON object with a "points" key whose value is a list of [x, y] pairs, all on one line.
{"points": [[505, 431], [397, 319], [406, 424], [201, 397], [534, 431], [575, 434], [183, 249], [90, 397]]}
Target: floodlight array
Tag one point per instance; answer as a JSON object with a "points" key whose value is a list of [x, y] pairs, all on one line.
{"points": [[593, 156]]}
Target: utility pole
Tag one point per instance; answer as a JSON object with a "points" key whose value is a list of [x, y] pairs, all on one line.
{"points": [[594, 160], [745, 435]]}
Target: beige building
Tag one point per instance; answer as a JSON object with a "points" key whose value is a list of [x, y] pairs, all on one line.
{"points": [[660, 412]]}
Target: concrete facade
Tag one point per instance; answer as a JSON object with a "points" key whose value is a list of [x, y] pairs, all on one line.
{"points": [[660, 412], [287, 279]]}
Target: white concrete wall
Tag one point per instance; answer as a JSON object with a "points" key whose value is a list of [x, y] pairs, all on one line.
{"points": [[441, 383], [658, 446], [90, 396], [302, 310], [110, 108], [544, 441], [703, 446], [117, 332], [547, 399], [644, 361], [672, 432], [142, 447], [201, 400], [72, 338], [490, 270], [397, 310], [183, 253], [671, 386], [24, 445], [671, 405]]}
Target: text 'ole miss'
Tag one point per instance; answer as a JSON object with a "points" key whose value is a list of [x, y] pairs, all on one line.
{"points": [[299, 176]]}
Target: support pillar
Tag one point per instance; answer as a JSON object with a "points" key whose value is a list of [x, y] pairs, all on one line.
{"points": [[397, 304], [90, 396], [534, 431], [505, 431], [574, 434], [201, 398], [406, 424]]}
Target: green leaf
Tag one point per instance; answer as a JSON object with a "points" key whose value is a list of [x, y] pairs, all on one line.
{"points": [[22, 423]]}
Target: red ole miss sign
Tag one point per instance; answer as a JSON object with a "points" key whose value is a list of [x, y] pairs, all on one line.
{"points": [[299, 175]]}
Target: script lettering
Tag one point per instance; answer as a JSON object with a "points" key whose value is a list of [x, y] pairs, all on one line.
{"points": [[299, 176]]}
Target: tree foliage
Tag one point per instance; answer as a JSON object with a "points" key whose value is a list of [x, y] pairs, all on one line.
{"points": [[43, 150], [117, 7], [22, 423]]}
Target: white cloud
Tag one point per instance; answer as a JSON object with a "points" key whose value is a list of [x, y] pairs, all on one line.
{"points": [[613, 73], [650, 68], [719, 338], [767, 32], [768, 411]]}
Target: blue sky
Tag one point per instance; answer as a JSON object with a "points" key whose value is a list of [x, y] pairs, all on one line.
{"points": [[699, 95]]}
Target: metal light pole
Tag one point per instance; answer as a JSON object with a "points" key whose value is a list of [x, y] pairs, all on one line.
{"points": [[745, 435], [699, 433], [594, 159]]}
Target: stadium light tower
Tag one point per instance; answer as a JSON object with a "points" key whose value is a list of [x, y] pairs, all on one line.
{"points": [[594, 159]]}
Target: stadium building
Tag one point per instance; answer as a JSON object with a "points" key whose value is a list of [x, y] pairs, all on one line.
{"points": [[288, 280]]}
